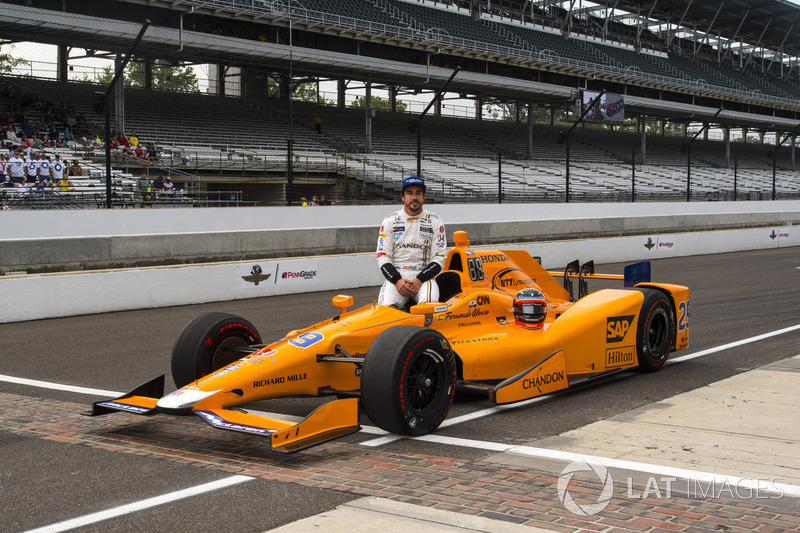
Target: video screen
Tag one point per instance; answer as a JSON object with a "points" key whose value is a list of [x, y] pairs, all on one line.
{"points": [[605, 108]]}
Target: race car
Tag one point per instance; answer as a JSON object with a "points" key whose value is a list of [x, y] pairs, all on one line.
{"points": [[505, 328]]}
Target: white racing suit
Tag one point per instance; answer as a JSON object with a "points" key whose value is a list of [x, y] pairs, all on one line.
{"points": [[410, 247]]}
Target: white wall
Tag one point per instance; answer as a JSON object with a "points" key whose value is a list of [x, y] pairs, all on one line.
{"points": [[31, 297], [98, 222]]}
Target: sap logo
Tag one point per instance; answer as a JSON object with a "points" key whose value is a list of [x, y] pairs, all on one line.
{"points": [[617, 327]]}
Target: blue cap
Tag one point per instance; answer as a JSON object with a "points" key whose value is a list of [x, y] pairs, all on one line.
{"points": [[412, 180]]}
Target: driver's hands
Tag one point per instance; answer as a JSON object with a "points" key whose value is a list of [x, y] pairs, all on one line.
{"points": [[408, 287]]}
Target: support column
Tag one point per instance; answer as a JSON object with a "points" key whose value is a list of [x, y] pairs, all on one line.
{"points": [[341, 90], [393, 99], [62, 61], [644, 138], [478, 107], [148, 73], [530, 130], [368, 125], [119, 101], [727, 133], [221, 70]]}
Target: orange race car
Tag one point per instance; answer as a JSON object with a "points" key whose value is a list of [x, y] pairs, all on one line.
{"points": [[506, 327]]}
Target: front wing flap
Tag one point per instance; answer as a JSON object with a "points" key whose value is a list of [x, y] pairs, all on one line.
{"points": [[141, 400], [330, 421]]}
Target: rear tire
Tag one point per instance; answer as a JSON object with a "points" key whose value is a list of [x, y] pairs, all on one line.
{"points": [[202, 346], [655, 333], [408, 381]]}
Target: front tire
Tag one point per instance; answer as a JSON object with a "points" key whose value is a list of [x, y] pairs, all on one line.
{"points": [[203, 345], [408, 380], [655, 333]]}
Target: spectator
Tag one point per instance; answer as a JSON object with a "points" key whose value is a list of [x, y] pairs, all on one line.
{"points": [[121, 139], [314, 201], [75, 169], [65, 185], [16, 167], [158, 184], [3, 165], [133, 140], [57, 170], [323, 201], [152, 154], [143, 187], [303, 201], [31, 167], [168, 187], [318, 124], [44, 168]]}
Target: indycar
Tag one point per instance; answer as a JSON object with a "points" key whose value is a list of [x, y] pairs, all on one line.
{"points": [[403, 366]]}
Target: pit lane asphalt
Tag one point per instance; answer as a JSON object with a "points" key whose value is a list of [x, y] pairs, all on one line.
{"points": [[734, 296]]}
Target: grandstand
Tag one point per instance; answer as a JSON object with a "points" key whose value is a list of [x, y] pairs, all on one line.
{"points": [[231, 146]]}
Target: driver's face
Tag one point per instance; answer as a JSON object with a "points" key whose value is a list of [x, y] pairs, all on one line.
{"points": [[413, 198]]}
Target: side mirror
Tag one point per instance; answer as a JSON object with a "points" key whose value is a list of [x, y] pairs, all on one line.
{"points": [[342, 302]]}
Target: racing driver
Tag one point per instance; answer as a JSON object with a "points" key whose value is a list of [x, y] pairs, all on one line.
{"points": [[411, 249]]}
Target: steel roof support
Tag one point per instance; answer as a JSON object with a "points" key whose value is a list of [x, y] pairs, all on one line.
{"points": [[642, 25], [680, 23], [605, 24], [778, 51], [730, 43], [708, 31], [755, 46]]}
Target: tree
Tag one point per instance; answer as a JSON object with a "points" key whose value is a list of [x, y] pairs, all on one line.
{"points": [[381, 104], [8, 62], [166, 76], [301, 92]]}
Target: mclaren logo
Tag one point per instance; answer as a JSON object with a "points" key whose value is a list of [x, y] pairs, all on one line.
{"points": [[256, 275], [617, 327]]}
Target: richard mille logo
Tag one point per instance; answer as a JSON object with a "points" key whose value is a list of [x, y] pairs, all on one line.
{"points": [[256, 275]]}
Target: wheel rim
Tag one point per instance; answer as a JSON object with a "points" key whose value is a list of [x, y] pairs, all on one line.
{"points": [[657, 332], [426, 377], [223, 356]]}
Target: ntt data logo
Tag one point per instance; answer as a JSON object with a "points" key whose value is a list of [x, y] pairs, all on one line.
{"points": [[585, 509]]}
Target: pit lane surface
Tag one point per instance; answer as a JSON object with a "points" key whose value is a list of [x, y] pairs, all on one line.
{"points": [[47, 480]]}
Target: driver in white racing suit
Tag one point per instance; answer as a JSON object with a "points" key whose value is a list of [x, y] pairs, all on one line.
{"points": [[411, 249]]}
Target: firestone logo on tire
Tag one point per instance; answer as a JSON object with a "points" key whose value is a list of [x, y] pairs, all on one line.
{"points": [[591, 508]]}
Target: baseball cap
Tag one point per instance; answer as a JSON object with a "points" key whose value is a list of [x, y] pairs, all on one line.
{"points": [[412, 180]]}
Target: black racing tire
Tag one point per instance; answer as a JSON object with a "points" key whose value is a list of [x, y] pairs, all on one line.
{"points": [[655, 333], [201, 347], [408, 380]]}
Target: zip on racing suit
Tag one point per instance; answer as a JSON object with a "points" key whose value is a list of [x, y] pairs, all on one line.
{"points": [[411, 247]]}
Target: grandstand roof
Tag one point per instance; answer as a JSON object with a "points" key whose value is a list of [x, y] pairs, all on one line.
{"points": [[772, 23], [26, 23]]}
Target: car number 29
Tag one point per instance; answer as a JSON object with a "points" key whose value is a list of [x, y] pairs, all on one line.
{"points": [[683, 319]]}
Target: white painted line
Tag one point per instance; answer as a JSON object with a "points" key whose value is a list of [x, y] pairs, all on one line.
{"points": [[665, 471], [114, 512], [59, 386], [728, 346]]}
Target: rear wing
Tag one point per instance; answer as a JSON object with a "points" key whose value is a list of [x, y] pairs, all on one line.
{"points": [[634, 274]]}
